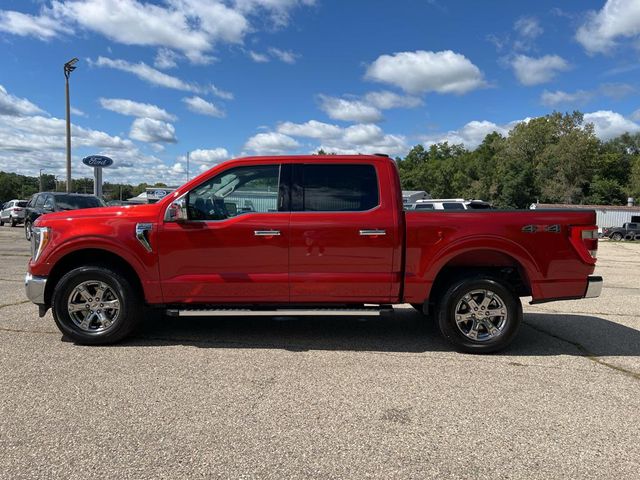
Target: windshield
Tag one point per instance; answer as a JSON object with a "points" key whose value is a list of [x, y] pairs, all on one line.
{"points": [[74, 202]]}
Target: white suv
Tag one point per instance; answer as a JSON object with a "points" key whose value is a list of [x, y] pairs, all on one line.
{"points": [[449, 204], [13, 212]]}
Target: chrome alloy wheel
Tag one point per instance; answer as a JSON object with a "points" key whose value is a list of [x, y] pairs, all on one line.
{"points": [[93, 306], [481, 315]]}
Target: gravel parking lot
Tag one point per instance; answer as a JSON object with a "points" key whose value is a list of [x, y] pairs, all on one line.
{"points": [[324, 397]]}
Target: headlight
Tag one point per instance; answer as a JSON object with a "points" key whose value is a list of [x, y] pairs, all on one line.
{"points": [[40, 237]]}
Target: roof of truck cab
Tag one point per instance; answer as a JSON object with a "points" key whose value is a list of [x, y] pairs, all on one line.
{"points": [[315, 158]]}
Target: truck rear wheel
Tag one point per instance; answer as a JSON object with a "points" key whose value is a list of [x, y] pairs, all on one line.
{"points": [[95, 305], [479, 315]]}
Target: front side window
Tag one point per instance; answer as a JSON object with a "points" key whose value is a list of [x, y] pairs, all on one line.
{"points": [[40, 200], [339, 188], [234, 192]]}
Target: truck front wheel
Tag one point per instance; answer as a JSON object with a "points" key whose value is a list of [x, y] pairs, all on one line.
{"points": [[479, 314], [95, 305]]}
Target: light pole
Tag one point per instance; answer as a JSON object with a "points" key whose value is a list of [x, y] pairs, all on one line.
{"points": [[69, 67], [40, 181]]}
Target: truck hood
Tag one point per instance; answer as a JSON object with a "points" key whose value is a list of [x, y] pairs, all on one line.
{"points": [[133, 211]]}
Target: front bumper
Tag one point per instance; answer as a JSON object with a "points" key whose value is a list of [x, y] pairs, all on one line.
{"points": [[34, 287], [594, 287]]}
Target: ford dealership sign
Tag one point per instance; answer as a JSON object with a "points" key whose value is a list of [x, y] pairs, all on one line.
{"points": [[97, 161]]}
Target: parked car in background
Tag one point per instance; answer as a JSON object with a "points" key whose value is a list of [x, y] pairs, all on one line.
{"points": [[48, 202], [449, 204], [12, 212], [628, 231]]}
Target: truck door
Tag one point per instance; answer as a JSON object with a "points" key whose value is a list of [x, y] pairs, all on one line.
{"points": [[234, 247], [342, 234]]}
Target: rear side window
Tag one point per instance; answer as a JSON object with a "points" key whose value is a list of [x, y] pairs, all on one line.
{"points": [[21, 204], [75, 202], [338, 188], [452, 206]]}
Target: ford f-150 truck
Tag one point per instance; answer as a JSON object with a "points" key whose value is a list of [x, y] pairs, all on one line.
{"points": [[306, 235]]}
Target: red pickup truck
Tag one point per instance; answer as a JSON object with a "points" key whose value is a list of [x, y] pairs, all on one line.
{"points": [[306, 235]]}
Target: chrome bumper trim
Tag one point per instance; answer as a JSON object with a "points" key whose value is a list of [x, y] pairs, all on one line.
{"points": [[34, 287], [594, 287]]}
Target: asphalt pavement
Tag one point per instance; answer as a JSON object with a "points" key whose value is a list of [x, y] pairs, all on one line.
{"points": [[324, 397]]}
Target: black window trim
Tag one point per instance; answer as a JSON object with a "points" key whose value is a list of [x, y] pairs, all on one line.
{"points": [[297, 194], [286, 202]]}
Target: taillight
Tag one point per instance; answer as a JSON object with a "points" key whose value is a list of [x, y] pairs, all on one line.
{"points": [[585, 240], [17, 209]]}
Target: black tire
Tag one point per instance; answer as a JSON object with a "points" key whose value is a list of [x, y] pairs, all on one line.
{"points": [[27, 230], [130, 305], [498, 293], [13, 221], [616, 237]]}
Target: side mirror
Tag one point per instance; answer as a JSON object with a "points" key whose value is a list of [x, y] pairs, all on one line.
{"points": [[177, 211], [48, 208]]}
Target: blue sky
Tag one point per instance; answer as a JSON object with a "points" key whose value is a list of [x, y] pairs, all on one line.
{"points": [[235, 77]]}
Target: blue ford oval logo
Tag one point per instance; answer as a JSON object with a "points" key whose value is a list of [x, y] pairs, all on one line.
{"points": [[97, 161]]}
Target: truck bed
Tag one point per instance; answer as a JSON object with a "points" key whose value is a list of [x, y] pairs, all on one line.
{"points": [[536, 242]]}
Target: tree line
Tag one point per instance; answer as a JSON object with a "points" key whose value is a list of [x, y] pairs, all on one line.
{"points": [[552, 159]]}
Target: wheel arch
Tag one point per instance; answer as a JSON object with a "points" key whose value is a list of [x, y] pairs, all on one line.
{"points": [[87, 257], [493, 263]]}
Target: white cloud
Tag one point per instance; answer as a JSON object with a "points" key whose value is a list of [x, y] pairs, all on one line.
{"points": [[41, 133], [177, 168], [136, 109], [149, 74], [189, 26], [192, 27], [258, 57], [528, 27], [24, 25], [165, 58], [579, 97], [278, 11], [608, 124], [426, 71], [533, 71], [310, 129], [617, 18], [286, 56], [201, 106], [271, 143], [209, 156], [617, 91], [470, 135], [349, 110], [385, 100], [366, 138], [12, 105], [156, 77], [78, 112], [636, 115], [150, 130]]}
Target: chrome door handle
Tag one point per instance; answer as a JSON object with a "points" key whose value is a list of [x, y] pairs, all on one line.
{"points": [[369, 233], [266, 233]]}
